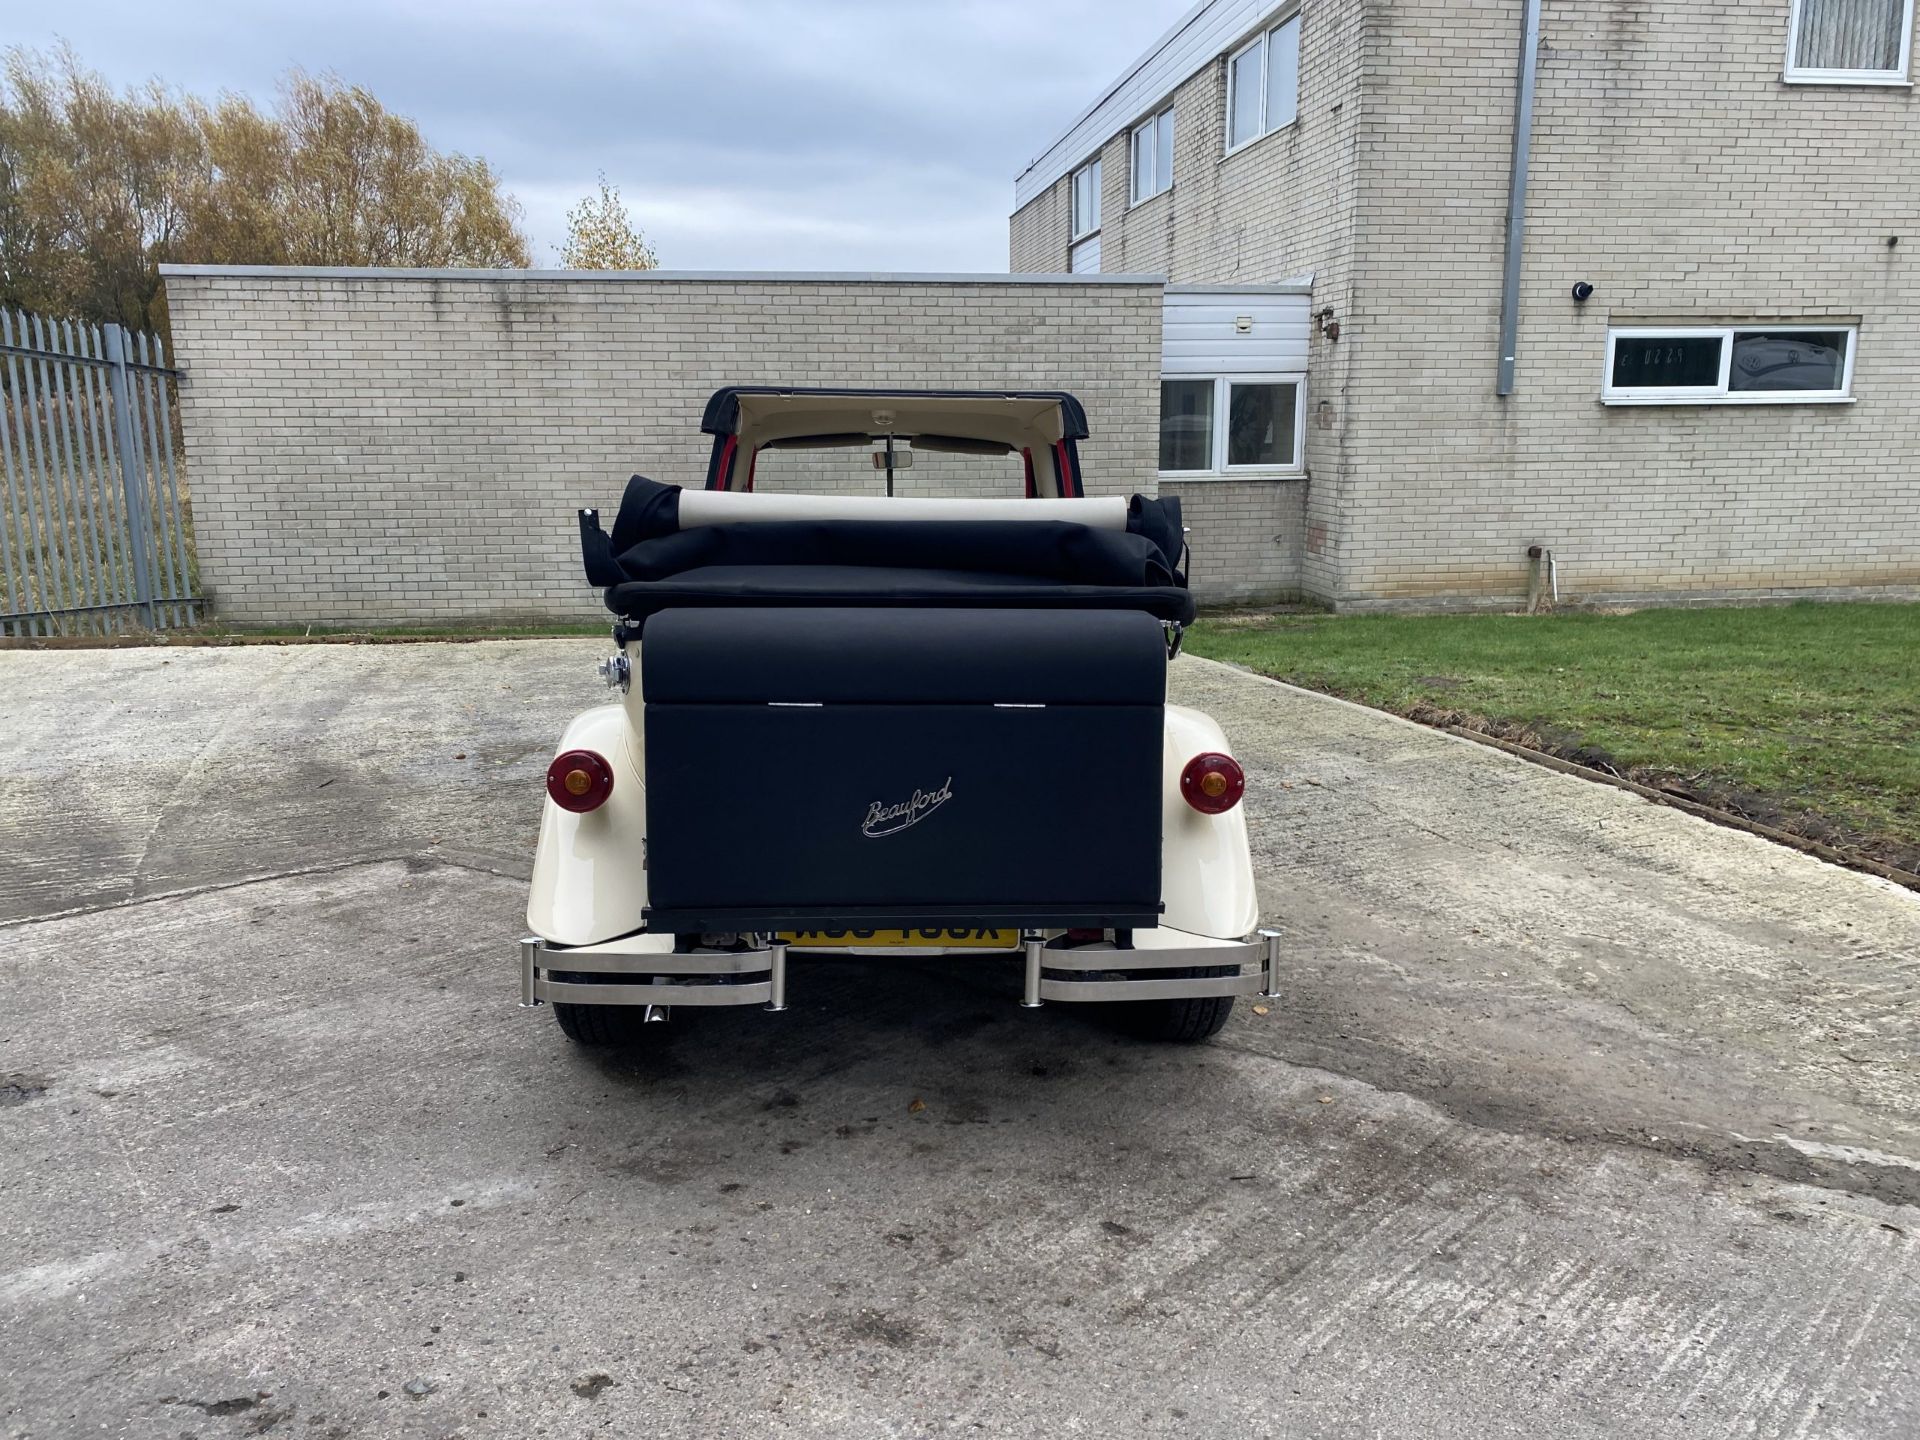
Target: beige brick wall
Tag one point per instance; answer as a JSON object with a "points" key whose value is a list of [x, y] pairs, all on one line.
{"points": [[391, 450], [1039, 233], [1676, 172], [1279, 208], [1246, 537]]}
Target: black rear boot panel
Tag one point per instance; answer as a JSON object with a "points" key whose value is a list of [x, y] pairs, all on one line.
{"points": [[836, 768]]}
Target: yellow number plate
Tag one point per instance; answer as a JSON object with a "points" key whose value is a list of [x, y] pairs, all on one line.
{"points": [[903, 939]]}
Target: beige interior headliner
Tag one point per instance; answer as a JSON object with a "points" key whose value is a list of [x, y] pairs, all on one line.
{"points": [[1022, 423]]}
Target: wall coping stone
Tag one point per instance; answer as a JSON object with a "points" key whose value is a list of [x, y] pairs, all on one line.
{"points": [[648, 277]]}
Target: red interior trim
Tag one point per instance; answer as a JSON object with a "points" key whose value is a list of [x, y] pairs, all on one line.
{"points": [[1066, 482]]}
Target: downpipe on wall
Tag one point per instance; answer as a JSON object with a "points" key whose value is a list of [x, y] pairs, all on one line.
{"points": [[1525, 85]]}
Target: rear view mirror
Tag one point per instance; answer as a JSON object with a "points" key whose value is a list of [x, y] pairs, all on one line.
{"points": [[902, 459]]}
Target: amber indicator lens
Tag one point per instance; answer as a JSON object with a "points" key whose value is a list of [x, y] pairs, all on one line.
{"points": [[579, 780], [1213, 783]]}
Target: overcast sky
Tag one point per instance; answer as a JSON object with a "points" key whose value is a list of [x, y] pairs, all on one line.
{"points": [[744, 134]]}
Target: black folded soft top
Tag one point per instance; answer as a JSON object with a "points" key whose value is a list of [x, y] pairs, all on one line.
{"points": [[650, 564]]}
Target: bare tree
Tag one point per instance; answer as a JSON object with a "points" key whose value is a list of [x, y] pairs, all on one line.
{"points": [[98, 188], [601, 235]]}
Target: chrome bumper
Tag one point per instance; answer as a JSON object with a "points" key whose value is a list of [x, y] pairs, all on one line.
{"points": [[759, 976]]}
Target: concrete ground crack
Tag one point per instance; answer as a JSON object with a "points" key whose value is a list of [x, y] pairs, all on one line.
{"points": [[432, 857], [1873, 1174]]}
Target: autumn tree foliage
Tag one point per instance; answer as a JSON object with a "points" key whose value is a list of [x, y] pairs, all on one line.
{"points": [[99, 187], [601, 235]]}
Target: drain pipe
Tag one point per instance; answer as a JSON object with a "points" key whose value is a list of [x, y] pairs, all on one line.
{"points": [[1524, 88]]}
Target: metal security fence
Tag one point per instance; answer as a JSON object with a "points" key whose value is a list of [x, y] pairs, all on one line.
{"points": [[94, 529]]}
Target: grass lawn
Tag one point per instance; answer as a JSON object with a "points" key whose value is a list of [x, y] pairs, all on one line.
{"points": [[1805, 717]]}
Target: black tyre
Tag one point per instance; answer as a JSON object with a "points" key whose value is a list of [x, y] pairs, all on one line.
{"points": [[1179, 1022], [600, 1025]]}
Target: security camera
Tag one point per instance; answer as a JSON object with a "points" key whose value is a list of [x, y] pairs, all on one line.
{"points": [[1582, 291]]}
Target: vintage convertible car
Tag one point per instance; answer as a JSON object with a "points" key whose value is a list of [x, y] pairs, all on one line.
{"points": [[892, 727]]}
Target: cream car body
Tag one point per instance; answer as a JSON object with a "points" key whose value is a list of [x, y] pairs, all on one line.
{"points": [[586, 888], [611, 933]]}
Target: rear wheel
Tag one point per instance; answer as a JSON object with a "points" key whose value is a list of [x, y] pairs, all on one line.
{"points": [[598, 1025], [1180, 1022], [601, 1025]]}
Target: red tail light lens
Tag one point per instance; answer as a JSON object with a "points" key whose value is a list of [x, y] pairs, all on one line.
{"points": [[1213, 784], [579, 780]]}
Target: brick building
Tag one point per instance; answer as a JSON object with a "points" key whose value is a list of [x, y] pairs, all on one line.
{"points": [[1727, 411]]}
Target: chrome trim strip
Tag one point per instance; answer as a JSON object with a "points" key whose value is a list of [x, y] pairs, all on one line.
{"points": [[570, 994], [657, 962], [1185, 989], [1271, 939], [777, 976], [529, 965], [1106, 957], [1042, 967]]}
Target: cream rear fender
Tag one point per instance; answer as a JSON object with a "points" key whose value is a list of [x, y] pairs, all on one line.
{"points": [[590, 884], [1206, 867], [589, 871]]}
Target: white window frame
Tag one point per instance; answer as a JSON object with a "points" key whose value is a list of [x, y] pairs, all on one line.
{"points": [[1149, 131], [1797, 74], [1076, 234], [1719, 393], [1223, 383], [1259, 42]]}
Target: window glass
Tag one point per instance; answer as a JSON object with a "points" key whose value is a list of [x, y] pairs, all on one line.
{"points": [[1086, 198], [1283, 74], [1260, 424], [1729, 363], [849, 470], [1243, 118], [1153, 157], [1857, 35], [1186, 424], [1666, 362], [1788, 360]]}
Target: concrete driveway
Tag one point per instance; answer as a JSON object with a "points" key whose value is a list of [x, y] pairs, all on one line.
{"points": [[1584, 1118]]}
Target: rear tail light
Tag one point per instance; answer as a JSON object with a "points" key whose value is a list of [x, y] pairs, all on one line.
{"points": [[1213, 784], [579, 780]]}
